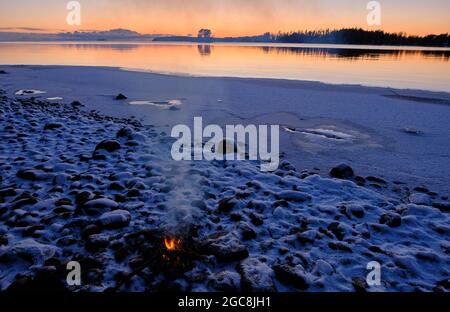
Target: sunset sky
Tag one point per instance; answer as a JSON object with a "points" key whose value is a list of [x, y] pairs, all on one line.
{"points": [[224, 17]]}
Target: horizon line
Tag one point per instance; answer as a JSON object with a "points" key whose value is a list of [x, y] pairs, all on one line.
{"points": [[43, 31]]}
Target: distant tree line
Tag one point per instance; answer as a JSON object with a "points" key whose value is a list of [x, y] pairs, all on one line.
{"points": [[341, 36], [361, 36]]}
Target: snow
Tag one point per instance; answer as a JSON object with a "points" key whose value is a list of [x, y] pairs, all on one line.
{"points": [[294, 229]]}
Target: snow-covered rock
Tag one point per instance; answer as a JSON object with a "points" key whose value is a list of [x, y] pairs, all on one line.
{"points": [[115, 219]]}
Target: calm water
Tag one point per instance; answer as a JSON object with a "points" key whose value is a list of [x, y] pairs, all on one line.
{"points": [[406, 67]]}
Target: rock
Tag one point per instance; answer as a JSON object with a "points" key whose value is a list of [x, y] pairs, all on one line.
{"points": [[256, 276], [247, 231], [445, 283], [95, 242], [199, 204], [256, 219], [84, 157], [307, 236], [108, 145], [8, 192], [391, 219], [60, 179], [342, 171], [293, 196], [76, 104], [63, 202], [97, 156], [359, 284], [420, 199], [322, 267], [226, 281], [89, 230], [291, 275], [120, 96], [225, 246], [411, 130], [356, 211], [337, 229], [102, 203], [132, 143], [24, 202], [116, 186], [33, 175], [133, 193], [442, 206], [235, 216], [52, 126], [115, 219], [376, 180], [3, 239], [227, 204], [360, 180], [2, 72], [125, 132], [421, 189], [83, 197], [29, 250], [46, 279], [341, 246]]}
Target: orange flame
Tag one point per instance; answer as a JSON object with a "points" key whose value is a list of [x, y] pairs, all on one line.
{"points": [[171, 243]]}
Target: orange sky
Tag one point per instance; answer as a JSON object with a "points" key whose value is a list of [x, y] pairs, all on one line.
{"points": [[226, 17]]}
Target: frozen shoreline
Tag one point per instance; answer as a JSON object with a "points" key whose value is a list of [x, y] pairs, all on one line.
{"points": [[77, 185], [385, 128]]}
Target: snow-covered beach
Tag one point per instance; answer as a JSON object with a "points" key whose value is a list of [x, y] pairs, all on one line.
{"points": [[89, 178]]}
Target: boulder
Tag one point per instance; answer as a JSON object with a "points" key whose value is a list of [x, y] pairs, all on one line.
{"points": [[225, 247], [108, 145], [391, 219], [115, 219], [29, 250], [342, 171], [293, 196], [52, 126], [294, 275], [120, 96], [256, 276], [227, 281]]}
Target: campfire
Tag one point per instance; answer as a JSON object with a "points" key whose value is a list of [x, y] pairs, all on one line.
{"points": [[168, 252], [172, 244]]}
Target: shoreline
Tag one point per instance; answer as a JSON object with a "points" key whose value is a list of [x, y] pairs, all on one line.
{"points": [[282, 82], [367, 113], [246, 44]]}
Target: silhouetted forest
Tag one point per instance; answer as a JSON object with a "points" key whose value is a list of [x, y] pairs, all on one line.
{"points": [[342, 36], [361, 36]]}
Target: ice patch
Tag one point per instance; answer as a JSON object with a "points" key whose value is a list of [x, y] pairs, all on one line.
{"points": [[29, 92], [322, 133], [159, 104]]}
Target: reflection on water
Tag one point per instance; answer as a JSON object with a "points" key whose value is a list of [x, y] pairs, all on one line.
{"points": [[204, 49], [358, 53], [384, 66]]}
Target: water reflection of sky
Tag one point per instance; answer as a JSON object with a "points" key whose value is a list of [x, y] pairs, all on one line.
{"points": [[382, 66]]}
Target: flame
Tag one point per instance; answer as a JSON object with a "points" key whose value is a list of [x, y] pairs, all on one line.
{"points": [[171, 243]]}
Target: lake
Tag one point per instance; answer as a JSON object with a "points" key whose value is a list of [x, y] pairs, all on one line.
{"points": [[398, 67]]}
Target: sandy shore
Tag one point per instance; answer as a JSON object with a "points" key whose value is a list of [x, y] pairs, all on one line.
{"points": [[100, 187]]}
